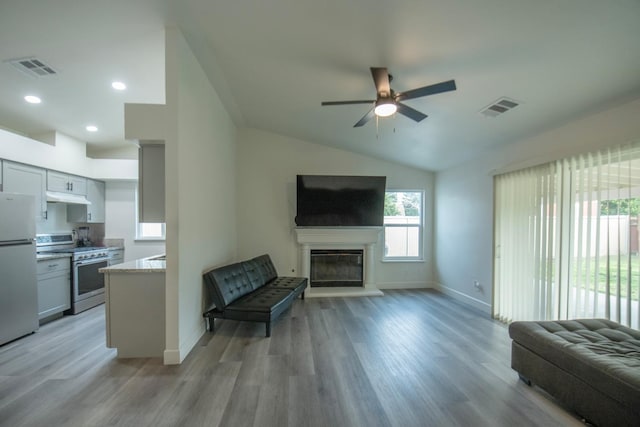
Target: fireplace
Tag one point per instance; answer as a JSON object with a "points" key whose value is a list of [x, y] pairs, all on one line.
{"points": [[357, 242], [336, 268]]}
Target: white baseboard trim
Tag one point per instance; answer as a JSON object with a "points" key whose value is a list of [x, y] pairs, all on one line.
{"points": [[404, 285], [364, 291], [342, 292], [175, 357], [172, 357], [474, 302]]}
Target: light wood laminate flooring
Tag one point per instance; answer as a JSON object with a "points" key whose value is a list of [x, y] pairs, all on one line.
{"points": [[410, 358]]}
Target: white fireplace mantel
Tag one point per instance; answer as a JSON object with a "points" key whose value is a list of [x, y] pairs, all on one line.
{"points": [[364, 238]]}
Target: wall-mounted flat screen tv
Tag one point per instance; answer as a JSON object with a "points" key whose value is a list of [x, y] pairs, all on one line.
{"points": [[340, 201]]}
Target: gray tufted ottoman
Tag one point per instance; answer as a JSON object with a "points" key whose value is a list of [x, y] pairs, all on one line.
{"points": [[590, 365]]}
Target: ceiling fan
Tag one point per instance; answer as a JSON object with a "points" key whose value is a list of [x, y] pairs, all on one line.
{"points": [[387, 101]]}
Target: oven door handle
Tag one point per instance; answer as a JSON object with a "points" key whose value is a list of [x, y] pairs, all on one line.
{"points": [[90, 261]]}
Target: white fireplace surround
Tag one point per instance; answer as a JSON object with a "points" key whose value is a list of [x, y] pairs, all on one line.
{"points": [[364, 238]]}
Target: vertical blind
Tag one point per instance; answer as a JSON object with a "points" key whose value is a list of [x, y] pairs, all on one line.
{"points": [[567, 241]]}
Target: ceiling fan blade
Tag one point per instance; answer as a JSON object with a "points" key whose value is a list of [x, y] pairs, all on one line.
{"points": [[381, 80], [410, 112], [365, 119], [427, 90], [370, 101]]}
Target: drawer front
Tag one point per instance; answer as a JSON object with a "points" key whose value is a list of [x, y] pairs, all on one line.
{"points": [[53, 265], [116, 256], [54, 294]]}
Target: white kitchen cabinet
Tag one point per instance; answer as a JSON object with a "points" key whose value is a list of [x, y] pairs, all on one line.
{"points": [[64, 183], [135, 310], [25, 179], [116, 256], [93, 213], [54, 286], [151, 183]]}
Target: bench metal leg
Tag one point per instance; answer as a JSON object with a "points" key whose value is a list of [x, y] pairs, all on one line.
{"points": [[524, 379]]}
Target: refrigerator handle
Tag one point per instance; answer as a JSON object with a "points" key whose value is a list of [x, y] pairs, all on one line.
{"points": [[17, 242]]}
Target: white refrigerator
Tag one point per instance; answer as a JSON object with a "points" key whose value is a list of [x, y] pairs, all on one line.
{"points": [[18, 282]]}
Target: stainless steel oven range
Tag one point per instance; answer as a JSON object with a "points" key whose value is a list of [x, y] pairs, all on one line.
{"points": [[87, 284]]}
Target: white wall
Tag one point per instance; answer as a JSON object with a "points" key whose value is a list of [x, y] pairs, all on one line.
{"points": [[120, 211], [200, 160], [66, 155], [267, 167], [464, 195]]}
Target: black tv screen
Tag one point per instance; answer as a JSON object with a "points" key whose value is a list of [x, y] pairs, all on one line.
{"points": [[340, 201]]}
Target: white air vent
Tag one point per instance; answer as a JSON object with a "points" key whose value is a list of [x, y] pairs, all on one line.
{"points": [[499, 107], [33, 67]]}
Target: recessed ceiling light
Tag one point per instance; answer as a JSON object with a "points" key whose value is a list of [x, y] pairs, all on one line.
{"points": [[92, 128], [118, 86], [32, 99]]}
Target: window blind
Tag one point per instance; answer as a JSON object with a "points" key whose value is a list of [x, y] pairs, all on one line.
{"points": [[567, 241]]}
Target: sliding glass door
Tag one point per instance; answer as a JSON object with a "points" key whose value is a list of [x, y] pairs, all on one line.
{"points": [[566, 239]]}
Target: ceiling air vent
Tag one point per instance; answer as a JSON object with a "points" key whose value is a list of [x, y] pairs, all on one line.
{"points": [[499, 107], [33, 67]]}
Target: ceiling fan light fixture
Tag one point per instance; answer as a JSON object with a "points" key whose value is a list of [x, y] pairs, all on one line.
{"points": [[32, 99], [118, 85], [385, 107]]}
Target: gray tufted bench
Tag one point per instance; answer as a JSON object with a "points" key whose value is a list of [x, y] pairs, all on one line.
{"points": [[250, 291], [590, 365]]}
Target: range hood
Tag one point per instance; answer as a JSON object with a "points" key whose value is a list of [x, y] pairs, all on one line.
{"points": [[72, 199]]}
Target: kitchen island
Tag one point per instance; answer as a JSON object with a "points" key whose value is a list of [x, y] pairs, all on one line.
{"points": [[135, 307]]}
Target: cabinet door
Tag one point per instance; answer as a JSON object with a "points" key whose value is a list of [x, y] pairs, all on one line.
{"points": [[94, 212], [57, 181], [54, 286], [24, 179], [78, 185], [61, 182], [95, 194]]}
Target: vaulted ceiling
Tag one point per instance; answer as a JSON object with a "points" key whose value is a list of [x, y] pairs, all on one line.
{"points": [[273, 63]]}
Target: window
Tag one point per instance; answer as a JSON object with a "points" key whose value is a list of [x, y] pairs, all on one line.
{"points": [[403, 225], [150, 231]]}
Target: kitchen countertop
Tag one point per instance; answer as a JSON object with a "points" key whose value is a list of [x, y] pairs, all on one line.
{"points": [[143, 265], [41, 257]]}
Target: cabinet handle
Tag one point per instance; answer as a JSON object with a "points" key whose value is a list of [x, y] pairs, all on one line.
{"points": [[68, 187], [71, 184], [53, 265], [45, 214], [89, 216]]}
